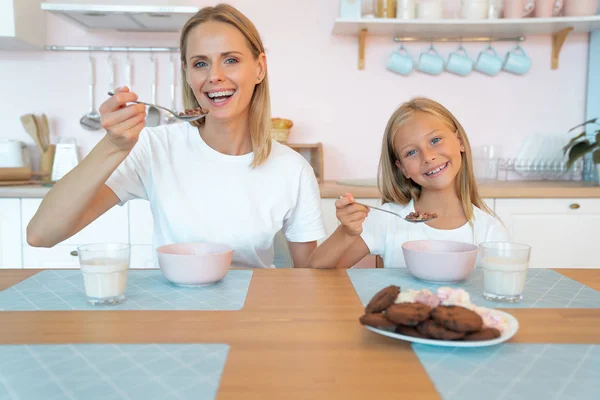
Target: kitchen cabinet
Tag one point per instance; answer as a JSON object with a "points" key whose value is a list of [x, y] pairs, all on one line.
{"points": [[10, 233], [60, 256], [563, 233], [113, 226], [22, 25], [143, 256], [141, 223]]}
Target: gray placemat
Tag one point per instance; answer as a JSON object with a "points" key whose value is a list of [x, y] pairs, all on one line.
{"points": [[514, 371], [146, 290], [107, 371], [545, 288]]}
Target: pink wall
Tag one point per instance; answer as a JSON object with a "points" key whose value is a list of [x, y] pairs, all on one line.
{"points": [[314, 82]]}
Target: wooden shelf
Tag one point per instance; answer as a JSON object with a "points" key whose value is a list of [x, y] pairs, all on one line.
{"points": [[558, 27], [463, 28], [315, 156]]}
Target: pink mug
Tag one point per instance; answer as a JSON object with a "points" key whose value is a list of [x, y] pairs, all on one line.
{"points": [[548, 8], [580, 8], [518, 8]]}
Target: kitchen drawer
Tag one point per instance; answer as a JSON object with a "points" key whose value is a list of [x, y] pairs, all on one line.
{"points": [[563, 233], [61, 256], [113, 226], [141, 225], [143, 257]]}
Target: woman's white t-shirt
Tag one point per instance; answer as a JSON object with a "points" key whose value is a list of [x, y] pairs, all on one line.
{"points": [[384, 233], [198, 194]]}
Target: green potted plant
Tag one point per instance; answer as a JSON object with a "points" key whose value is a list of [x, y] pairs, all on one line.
{"points": [[580, 145]]}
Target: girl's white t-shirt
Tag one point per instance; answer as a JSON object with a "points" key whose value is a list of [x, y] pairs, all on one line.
{"points": [[384, 233], [198, 194]]}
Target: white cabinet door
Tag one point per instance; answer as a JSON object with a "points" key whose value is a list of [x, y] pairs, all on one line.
{"points": [[60, 256], [141, 223], [10, 233], [143, 257], [328, 210], [562, 233], [22, 25], [113, 226], [490, 203]]}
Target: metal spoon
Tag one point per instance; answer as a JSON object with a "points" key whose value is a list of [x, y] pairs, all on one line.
{"points": [[91, 121], [187, 118], [414, 221]]}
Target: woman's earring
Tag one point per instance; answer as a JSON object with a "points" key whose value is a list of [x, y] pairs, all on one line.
{"points": [[462, 148]]}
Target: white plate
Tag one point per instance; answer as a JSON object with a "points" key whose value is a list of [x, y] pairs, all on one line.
{"points": [[511, 329]]}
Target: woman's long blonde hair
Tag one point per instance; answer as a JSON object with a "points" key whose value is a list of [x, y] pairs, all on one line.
{"points": [[396, 188], [260, 104]]}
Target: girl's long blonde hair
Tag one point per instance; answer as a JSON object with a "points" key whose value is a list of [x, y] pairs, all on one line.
{"points": [[393, 184], [260, 104]]}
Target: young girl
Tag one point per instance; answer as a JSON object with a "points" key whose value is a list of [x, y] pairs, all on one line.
{"points": [[425, 166], [222, 179]]}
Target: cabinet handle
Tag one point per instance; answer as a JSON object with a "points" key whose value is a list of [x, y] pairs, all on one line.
{"points": [[74, 253], [574, 206]]}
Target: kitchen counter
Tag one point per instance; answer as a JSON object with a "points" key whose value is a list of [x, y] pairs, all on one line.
{"points": [[489, 189], [297, 337], [366, 188]]}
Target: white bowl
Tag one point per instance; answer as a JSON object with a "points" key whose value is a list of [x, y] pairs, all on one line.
{"points": [[440, 261], [194, 264]]}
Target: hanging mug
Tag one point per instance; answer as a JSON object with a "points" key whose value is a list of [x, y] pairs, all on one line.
{"points": [[517, 61], [488, 62], [459, 62], [400, 61], [431, 62]]}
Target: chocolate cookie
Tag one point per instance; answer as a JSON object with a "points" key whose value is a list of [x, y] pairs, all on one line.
{"points": [[457, 318], [437, 331], [410, 331], [484, 334], [409, 314], [377, 320], [383, 299]]}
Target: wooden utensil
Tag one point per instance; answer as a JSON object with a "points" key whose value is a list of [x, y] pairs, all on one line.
{"points": [[31, 127], [45, 132], [20, 174], [15, 174]]}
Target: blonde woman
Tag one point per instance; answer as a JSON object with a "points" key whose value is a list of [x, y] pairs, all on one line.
{"points": [[425, 166], [222, 179]]}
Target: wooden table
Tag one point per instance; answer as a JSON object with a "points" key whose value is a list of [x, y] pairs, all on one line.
{"points": [[297, 336]]}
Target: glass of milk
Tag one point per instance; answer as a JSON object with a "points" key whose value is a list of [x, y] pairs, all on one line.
{"points": [[104, 267], [504, 270]]}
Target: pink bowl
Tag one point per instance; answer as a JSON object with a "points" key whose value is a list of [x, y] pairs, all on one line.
{"points": [[193, 264], [440, 261]]}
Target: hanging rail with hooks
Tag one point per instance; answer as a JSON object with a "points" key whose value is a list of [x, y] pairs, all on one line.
{"points": [[115, 49], [459, 39]]}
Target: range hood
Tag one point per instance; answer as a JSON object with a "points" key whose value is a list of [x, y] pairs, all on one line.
{"points": [[123, 17]]}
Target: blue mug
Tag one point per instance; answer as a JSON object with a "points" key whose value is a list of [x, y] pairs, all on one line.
{"points": [[431, 62], [517, 61], [488, 62], [400, 62], [459, 62]]}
